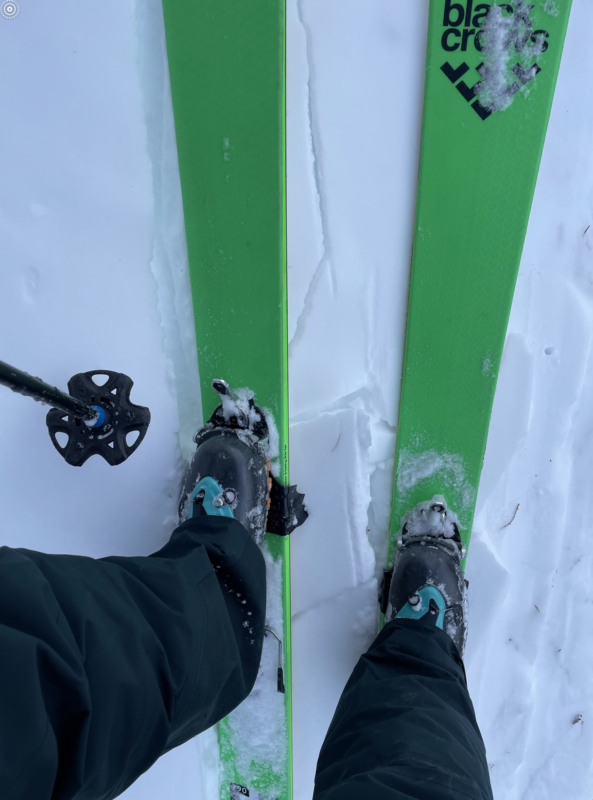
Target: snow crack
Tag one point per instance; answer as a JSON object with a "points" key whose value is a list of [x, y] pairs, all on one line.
{"points": [[325, 264]]}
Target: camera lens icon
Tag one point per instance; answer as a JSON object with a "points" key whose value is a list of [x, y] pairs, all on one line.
{"points": [[9, 9]]}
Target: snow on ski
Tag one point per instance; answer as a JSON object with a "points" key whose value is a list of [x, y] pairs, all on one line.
{"points": [[91, 189], [490, 78], [227, 68]]}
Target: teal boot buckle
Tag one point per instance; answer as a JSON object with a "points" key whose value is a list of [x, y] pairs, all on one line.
{"points": [[422, 607], [213, 502]]}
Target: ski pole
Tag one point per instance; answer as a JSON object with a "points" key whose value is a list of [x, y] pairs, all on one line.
{"points": [[97, 417], [25, 384]]}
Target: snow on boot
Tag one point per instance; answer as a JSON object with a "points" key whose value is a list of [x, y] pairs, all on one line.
{"points": [[427, 580], [229, 472]]}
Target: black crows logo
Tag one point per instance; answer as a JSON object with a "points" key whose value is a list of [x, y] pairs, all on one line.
{"points": [[500, 35]]}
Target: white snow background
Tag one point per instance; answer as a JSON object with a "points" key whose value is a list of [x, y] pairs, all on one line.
{"points": [[93, 274]]}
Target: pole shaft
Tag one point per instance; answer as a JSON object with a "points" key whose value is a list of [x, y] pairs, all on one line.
{"points": [[23, 383]]}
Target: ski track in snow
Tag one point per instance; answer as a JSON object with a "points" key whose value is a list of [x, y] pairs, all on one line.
{"points": [[345, 356], [99, 189]]}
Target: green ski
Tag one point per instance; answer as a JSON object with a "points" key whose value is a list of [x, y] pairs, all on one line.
{"points": [[227, 68], [490, 79]]}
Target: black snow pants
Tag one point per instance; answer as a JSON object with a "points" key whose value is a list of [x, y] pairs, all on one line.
{"points": [[107, 664], [405, 727]]}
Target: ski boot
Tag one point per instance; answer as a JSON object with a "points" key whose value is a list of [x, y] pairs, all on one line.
{"points": [[427, 581], [230, 476]]}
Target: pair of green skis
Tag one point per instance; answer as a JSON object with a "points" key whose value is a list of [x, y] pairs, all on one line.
{"points": [[485, 117]]}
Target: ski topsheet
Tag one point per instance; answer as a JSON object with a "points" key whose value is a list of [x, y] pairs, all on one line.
{"points": [[490, 78], [227, 69]]}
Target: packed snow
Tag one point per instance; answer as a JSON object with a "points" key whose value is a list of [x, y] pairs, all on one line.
{"points": [[258, 726], [430, 518], [95, 276], [509, 45]]}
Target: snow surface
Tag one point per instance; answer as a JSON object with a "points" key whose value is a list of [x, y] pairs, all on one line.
{"points": [[94, 276], [258, 725]]}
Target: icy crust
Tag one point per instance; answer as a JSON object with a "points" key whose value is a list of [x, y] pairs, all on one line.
{"points": [[509, 45], [424, 520], [258, 731]]}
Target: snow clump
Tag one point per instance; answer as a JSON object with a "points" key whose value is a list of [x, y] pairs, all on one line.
{"points": [[550, 7], [431, 518], [504, 38], [239, 406]]}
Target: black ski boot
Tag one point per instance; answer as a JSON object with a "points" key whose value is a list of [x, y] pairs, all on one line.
{"points": [[427, 580], [229, 474]]}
